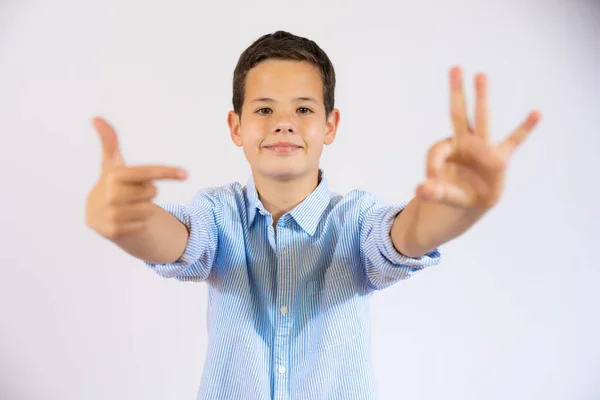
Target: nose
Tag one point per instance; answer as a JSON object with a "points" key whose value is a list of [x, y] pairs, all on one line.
{"points": [[284, 124], [280, 129]]}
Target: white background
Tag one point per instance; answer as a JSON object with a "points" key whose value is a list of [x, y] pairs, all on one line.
{"points": [[511, 314]]}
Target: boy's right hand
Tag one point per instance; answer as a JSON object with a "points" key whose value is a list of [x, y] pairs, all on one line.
{"points": [[120, 203]]}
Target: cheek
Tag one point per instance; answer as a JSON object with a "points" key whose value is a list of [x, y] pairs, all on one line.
{"points": [[252, 133], [314, 132]]}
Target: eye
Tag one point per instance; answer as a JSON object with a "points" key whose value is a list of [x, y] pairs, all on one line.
{"points": [[304, 110], [264, 111]]}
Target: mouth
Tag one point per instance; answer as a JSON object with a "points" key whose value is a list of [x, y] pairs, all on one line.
{"points": [[282, 149]]}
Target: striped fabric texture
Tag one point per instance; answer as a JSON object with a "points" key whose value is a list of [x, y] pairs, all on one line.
{"points": [[288, 308]]}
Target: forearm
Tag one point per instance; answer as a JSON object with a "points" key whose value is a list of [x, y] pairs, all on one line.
{"points": [[423, 226], [162, 241]]}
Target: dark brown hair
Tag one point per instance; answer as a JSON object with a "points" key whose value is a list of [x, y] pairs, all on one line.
{"points": [[284, 46]]}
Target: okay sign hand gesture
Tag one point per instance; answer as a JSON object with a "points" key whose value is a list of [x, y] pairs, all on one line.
{"points": [[466, 170]]}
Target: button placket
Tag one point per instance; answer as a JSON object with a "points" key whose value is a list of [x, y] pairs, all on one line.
{"points": [[282, 339]]}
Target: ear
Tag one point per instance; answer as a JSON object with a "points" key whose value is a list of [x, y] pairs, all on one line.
{"points": [[233, 120], [333, 119]]}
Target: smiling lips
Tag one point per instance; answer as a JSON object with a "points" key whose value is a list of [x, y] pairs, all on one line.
{"points": [[283, 147]]}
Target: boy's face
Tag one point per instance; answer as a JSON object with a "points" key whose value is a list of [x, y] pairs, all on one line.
{"points": [[283, 103]]}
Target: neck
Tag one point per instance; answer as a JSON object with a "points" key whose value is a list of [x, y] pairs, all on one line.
{"points": [[279, 197]]}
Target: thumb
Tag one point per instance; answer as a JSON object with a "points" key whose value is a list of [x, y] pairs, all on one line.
{"points": [[111, 154]]}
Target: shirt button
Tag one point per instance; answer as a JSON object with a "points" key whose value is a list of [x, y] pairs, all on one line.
{"points": [[284, 250], [283, 309], [281, 369]]}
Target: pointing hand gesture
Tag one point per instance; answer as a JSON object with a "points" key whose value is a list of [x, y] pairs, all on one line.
{"points": [[466, 170], [121, 201]]}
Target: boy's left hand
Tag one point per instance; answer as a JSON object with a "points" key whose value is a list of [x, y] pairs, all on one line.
{"points": [[466, 170]]}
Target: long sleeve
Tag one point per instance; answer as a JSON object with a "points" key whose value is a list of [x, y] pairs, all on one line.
{"points": [[383, 263], [200, 217]]}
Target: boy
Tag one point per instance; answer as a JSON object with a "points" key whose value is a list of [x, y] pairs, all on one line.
{"points": [[291, 266]]}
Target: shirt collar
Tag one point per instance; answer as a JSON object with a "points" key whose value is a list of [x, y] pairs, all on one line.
{"points": [[307, 214]]}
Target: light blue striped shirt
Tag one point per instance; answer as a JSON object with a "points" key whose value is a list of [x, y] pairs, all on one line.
{"points": [[288, 310]]}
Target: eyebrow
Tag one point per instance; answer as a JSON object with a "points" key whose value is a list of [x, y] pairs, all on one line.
{"points": [[270, 100]]}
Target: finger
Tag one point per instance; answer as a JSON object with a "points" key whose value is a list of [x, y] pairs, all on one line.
{"points": [[111, 154], [123, 193], [481, 107], [149, 173], [443, 192], [131, 212], [437, 157], [458, 108], [510, 144]]}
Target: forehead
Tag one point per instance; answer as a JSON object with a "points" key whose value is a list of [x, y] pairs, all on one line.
{"points": [[284, 78]]}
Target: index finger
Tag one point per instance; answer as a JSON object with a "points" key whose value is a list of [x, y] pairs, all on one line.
{"points": [[149, 173]]}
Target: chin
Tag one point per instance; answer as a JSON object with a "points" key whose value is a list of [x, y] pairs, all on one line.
{"points": [[283, 172]]}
